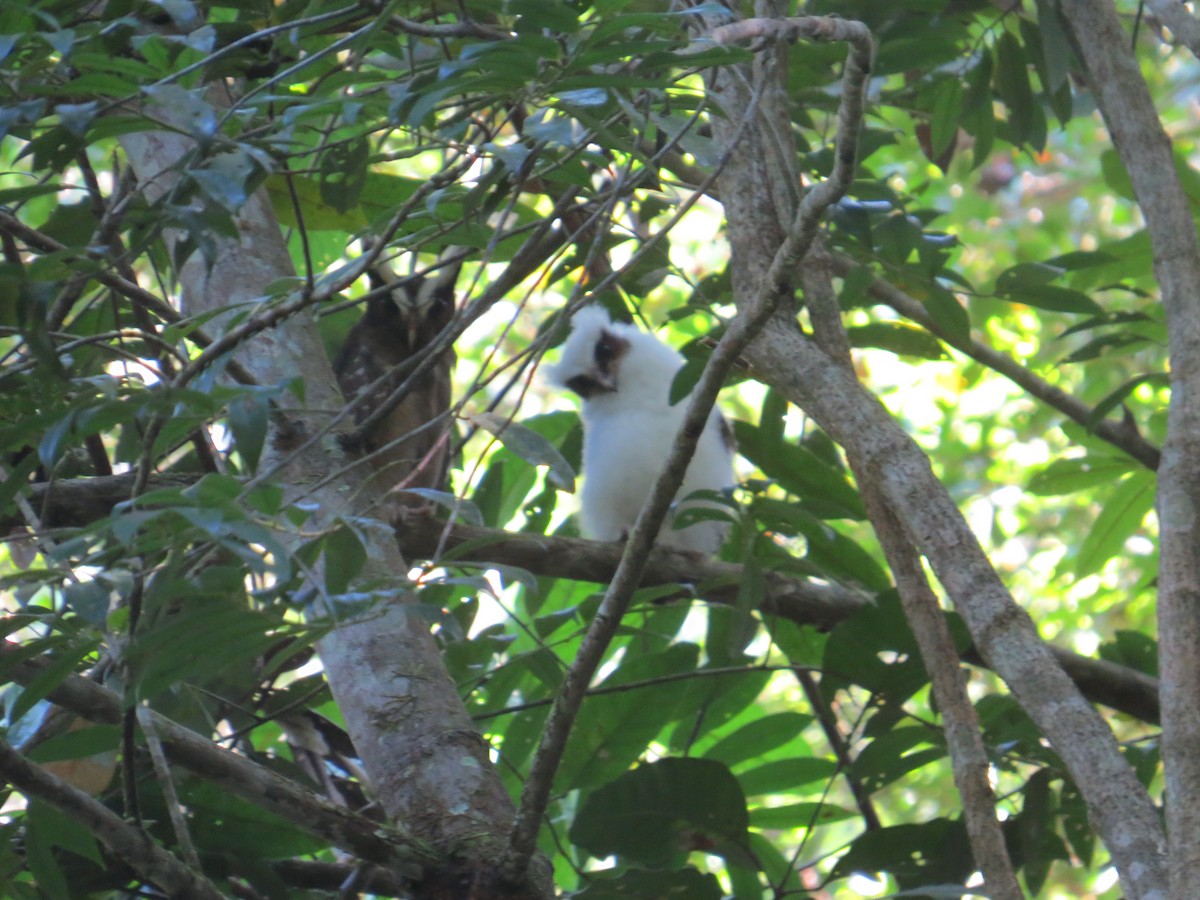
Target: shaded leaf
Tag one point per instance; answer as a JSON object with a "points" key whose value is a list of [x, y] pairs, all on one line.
{"points": [[662, 811], [530, 446], [1121, 517]]}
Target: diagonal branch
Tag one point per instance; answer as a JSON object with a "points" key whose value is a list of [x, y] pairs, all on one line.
{"points": [[739, 335], [1180, 20], [964, 740], [1120, 435], [130, 844], [786, 359], [236, 774], [385, 671]]}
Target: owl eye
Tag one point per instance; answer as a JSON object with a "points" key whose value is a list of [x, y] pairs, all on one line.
{"points": [[606, 351]]}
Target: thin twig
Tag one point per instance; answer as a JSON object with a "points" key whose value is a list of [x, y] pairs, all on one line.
{"points": [[162, 774], [1119, 434], [130, 844], [236, 774]]}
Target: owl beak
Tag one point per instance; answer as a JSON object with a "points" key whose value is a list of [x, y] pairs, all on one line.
{"points": [[606, 382]]}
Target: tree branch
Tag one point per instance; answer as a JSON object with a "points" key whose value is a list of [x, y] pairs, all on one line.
{"points": [[1182, 23], [128, 843], [805, 601], [387, 847], [400, 705], [1120, 435], [1145, 149], [964, 740], [786, 359], [737, 337]]}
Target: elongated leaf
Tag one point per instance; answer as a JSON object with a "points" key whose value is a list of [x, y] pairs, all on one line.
{"points": [[1120, 518], [898, 337], [825, 490], [530, 446], [1066, 476], [758, 738], [662, 810]]}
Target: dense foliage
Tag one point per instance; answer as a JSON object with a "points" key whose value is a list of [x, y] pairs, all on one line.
{"points": [[995, 281]]}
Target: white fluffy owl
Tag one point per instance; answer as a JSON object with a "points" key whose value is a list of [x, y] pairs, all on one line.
{"points": [[624, 376]]}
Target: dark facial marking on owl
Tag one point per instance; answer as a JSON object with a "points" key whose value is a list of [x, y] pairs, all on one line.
{"points": [[608, 353], [602, 379], [587, 386]]}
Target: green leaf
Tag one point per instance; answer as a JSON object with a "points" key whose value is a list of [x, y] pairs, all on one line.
{"points": [[78, 744], [1056, 299], [1117, 396], [898, 337], [874, 648], [641, 884], [945, 114], [248, 419], [614, 728], [1134, 649], [343, 173], [947, 313], [714, 701], [461, 508], [895, 754], [685, 379], [824, 490], [50, 827], [1121, 516], [758, 738], [52, 676], [1066, 476], [1056, 47], [1012, 84], [222, 823], [933, 852], [530, 446], [791, 816], [1025, 276], [345, 557], [1115, 175], [1037, 846], [662, 810], [787, 776], [227, 179]]}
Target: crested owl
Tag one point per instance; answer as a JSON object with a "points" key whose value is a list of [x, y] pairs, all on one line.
{"points": [[409, 447], [624, 376]]}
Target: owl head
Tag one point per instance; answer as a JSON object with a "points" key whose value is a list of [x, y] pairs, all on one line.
{"points": [[411, 310], [612, 362]]}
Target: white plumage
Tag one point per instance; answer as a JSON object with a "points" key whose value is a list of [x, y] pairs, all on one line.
{"points": [[624, 376]]}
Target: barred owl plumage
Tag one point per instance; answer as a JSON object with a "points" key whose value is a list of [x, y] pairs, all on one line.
{"points": [[409, 446]]}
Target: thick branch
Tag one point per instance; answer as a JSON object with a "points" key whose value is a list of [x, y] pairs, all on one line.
{"points": [[783, 357], [128, 843], [1005, 635], [1145, 149], [805, 601], [236, 774], [738, 336], [1182, 23], [400, 705], [964, 740]]}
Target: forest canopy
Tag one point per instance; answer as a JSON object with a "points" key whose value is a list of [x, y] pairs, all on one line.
{"points": [[295, 597]]}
